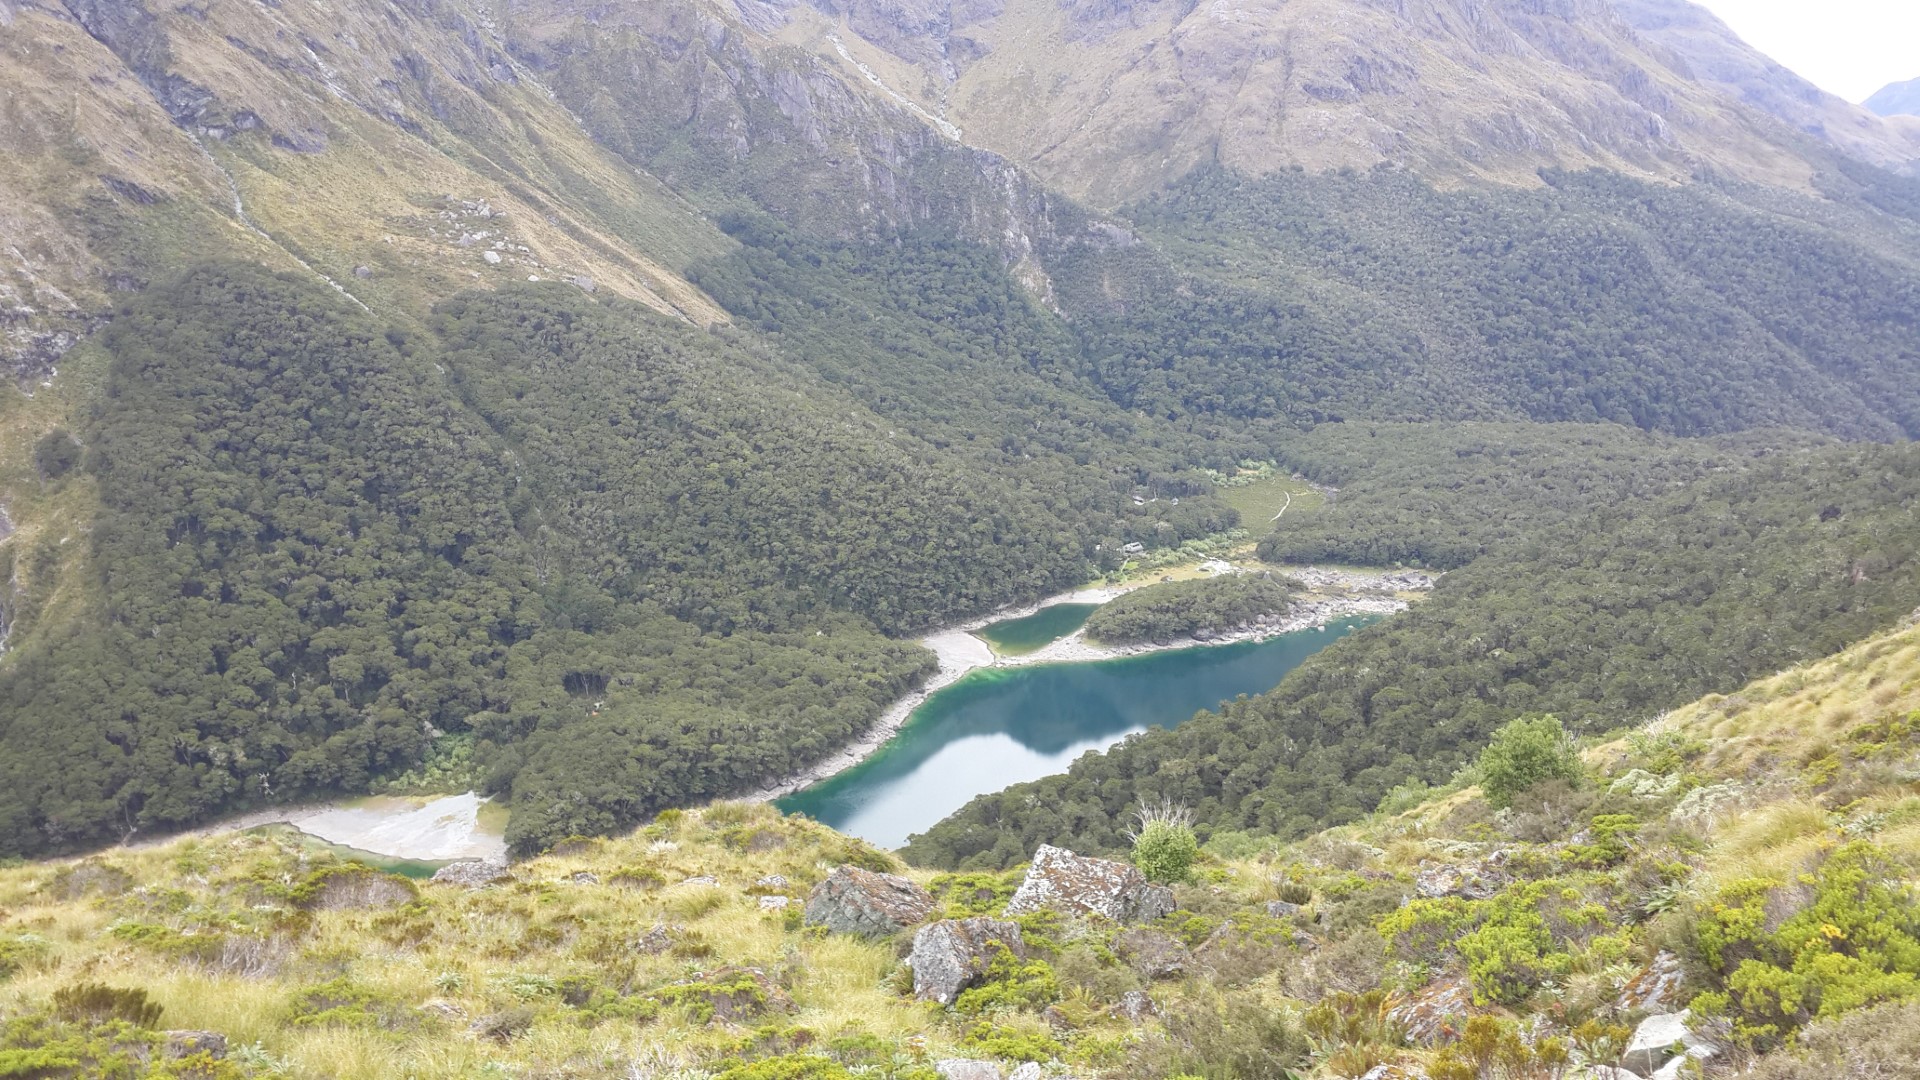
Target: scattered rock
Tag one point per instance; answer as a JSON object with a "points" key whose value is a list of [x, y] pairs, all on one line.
{"points": [[584, 283], [1654, 989], [1471, 882], [771, 881], [866, 904], [966, 1069], [775, 903], [182, 1044], [1027, 1071], [1436, 1011], [1152, 954], [1136, 1007], [363, 272], [472, 873], [953, 954], [1280, 909], [1654, 1042], [492, 257], [702, 879], [656, 940], [1086, 886], [584, 877]]}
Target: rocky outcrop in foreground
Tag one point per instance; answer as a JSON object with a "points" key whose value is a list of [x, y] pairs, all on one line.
{"points": [[954, 954], [866, 904], [1079, 885]]}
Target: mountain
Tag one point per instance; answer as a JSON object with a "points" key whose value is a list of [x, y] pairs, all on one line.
{"points": [[1714, 55], [1896, 99]]}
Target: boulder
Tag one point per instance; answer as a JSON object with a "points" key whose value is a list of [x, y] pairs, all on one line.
{"points": [[771, 881], [775, 903], [1470, 882], [1136, 1007], [472, 873], [658, 939], [1027, 1071], [181, 1044], [1436, 1011], [866, 904], [1151, 954], [953, 954], [1281, 909], [1654, 988], [1661, 1040], [584, 877], [966, 1069], [1081, 885]]}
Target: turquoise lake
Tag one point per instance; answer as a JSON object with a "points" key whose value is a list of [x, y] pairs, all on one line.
{"points": [[1031, 633], [1002, 726]]}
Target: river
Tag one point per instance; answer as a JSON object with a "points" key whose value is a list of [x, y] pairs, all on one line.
{"points": [[1004, 725]]}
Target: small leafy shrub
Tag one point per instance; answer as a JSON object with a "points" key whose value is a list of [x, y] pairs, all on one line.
{"points": [[1014, 1044], [788, 1067], [1222, 1037], [342, 1003], [1492, 1049], [1165, 850], [1785, 953], [93, 1003], [1527, 751], [1011, 983], [17, 953]]}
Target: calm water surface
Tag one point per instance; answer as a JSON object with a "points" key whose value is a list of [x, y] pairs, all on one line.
{"points": [[1001, 726], [1030, 633]]}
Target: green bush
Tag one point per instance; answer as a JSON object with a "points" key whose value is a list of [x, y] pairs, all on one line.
{"points": [[1526, 752], [1165, 850], [1850, 938], [788, 1067]]}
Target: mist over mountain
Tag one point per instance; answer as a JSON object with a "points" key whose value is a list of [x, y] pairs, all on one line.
{"points": [[1896, 99]]}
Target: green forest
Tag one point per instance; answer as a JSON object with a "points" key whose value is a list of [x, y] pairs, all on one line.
{"points": [[1604, 619], [1177, 609]]}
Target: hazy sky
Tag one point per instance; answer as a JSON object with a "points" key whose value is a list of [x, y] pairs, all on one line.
{"points": [[1848, 47]]}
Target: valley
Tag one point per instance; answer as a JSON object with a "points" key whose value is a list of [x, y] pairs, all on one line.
{"points": [[1085, 540]]}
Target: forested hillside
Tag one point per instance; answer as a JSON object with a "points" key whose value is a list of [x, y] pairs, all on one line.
{"points": [[1597, 297], [1606, 619], [641, 563]]}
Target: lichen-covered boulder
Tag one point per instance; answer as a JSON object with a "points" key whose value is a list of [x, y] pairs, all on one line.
{"points": [[966, 1069], [182, 1044], [1652, 1050], [1081, 885], [866, 904], [472, 873], [953, 954], [1136, 1007]]}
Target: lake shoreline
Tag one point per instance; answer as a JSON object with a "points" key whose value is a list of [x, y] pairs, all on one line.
{"points": [[960, 652]]}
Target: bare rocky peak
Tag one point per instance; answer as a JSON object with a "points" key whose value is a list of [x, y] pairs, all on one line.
{"points": [[1896, 99]]}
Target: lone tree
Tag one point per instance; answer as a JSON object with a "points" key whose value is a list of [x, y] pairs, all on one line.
{"points": [[1525, 752]]}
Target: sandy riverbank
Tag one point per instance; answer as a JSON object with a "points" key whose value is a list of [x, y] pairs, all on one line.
{"points": [[1337, 594]]}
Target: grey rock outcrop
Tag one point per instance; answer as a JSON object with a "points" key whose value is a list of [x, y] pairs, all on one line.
{"points": [[866, 904], [472, 873], [1661, 1045], [1080, 885], [1471, 882], [1136, 1007], [953, 954], [182, 1044]]}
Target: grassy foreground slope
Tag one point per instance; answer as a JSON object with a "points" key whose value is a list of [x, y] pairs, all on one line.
{"points": [[1791, 801]]}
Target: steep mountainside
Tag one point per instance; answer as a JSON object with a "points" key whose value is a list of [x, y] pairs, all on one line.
{"points": [[1897, 99], [1112, 100], [1714, 55]]}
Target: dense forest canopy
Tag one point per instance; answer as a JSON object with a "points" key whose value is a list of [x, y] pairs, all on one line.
{"points": [[1605, 620], [641, 563], [1178, 609]]}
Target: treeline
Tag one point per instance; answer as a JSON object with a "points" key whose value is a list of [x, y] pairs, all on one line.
{"points": [[1604, 620], [643, 564], [1440, 495], [1178, 609], [1317, 297]]}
